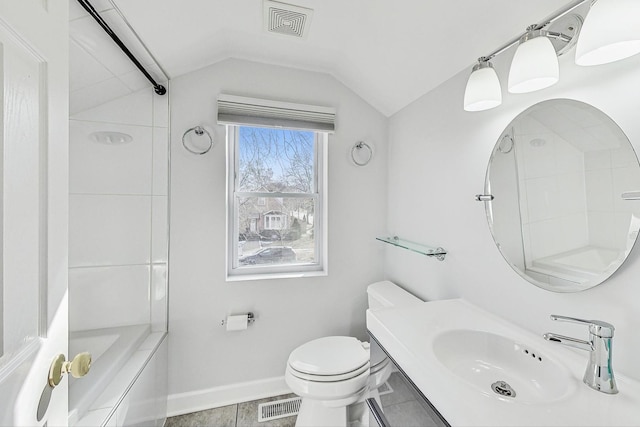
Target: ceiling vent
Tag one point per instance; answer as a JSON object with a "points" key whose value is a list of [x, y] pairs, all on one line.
{"points": [[286, 19]]}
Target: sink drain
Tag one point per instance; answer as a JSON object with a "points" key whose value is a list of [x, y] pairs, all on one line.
{"points": [[503, 389]]}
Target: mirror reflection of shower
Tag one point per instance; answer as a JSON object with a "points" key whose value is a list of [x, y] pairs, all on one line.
{"points": [[558, 174]]}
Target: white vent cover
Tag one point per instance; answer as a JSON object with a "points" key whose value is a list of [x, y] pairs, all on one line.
{"points": [[286, 19], [278, 409]]}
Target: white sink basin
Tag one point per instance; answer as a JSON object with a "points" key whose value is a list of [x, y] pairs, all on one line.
{"points": [[454, 351], [500, 367]]}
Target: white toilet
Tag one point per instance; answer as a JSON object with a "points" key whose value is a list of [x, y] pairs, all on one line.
{"points": [[332, 373]]}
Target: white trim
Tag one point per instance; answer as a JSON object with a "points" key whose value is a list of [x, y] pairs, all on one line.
{"points": [[199, 400]]}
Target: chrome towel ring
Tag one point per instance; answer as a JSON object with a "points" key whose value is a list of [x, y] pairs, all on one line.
{"points": [[361, 146], [199, 131]]}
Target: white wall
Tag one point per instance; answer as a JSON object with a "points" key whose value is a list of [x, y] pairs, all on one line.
{"points": [[289, 311], [437, 161]]}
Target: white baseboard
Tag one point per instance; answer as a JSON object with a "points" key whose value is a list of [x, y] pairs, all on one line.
{"points": [[199, 400]]}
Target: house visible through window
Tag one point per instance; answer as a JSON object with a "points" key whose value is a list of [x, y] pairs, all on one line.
{"points": [[276, 200]]}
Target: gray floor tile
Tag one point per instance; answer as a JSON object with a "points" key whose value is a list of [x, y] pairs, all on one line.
{"points": [[218, 417], [409, 414], [401, 391], [248, 414]]}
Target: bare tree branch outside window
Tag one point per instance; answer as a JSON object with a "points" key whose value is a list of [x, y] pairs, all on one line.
{"points": [[280, 161]]}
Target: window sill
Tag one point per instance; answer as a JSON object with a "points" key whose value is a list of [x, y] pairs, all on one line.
{"points": [[269, 276]]}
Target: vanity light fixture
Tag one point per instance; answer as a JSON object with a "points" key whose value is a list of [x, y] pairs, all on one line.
{"points": [[483, 90], [611, 32], [535, 64]]}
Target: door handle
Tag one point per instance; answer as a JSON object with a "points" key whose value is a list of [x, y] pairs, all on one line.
{"points": [[78, 367]]}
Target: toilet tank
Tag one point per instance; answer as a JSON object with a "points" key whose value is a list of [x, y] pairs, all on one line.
{"points": [[388, 294]]}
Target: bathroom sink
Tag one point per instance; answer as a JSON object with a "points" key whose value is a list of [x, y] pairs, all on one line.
{"points": [[454, 352], [501, 367]]}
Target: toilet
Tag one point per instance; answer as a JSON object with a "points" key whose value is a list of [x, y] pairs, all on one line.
{"points": [[331, 374]]}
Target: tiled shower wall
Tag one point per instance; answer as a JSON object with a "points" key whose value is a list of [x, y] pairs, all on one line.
{"points": [[118, 215]]}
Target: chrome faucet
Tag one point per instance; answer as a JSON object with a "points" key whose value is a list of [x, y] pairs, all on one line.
{"points": [[599, 373]]}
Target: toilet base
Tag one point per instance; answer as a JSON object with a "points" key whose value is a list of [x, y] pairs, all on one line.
{"points": [[331, 413]]}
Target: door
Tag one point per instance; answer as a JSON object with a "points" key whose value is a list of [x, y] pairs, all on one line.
{"points": [[33, 209]]}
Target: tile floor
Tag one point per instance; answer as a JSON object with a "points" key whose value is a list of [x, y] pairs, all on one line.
{"points": [[402, 407], [240, 415]]}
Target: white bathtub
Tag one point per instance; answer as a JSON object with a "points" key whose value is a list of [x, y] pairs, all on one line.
{"points": [[110, 348]]}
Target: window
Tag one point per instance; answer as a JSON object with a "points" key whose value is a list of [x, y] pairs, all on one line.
{"points": [[276, 201]]}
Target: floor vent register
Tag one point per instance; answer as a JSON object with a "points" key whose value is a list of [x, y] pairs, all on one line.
{"points": [[278, 409]]}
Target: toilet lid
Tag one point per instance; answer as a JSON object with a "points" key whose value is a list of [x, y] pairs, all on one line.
{"points": [[329, 356]]}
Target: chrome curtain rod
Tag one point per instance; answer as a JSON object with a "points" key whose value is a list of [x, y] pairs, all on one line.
{"points": [[546, 21], [158, 88]]}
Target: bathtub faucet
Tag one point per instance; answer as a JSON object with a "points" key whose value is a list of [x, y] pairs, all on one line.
{"points": [[599, 373]]}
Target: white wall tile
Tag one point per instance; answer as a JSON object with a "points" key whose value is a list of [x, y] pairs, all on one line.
{"points": [[571, 191], [624, 156], [86, 32], [135, 80], [600, 159], [161, 110], [574, 232], [84, 70], [159, 229], [546, 238], [91, 96], [542, 194], [133, 109], [598, 184], [568, 158], [160, 161], [109, 230], [97, 168], [539, 160], [102, 297], [159, 277]]}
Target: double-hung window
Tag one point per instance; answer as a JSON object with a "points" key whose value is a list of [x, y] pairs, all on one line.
{"points": [[276, 191]]}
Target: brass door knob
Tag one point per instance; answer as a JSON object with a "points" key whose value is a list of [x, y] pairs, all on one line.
{"points": [[78, 367]]}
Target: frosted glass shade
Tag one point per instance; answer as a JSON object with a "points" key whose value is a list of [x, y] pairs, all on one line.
{"points": [[611, 32], [483, 90], [534, 66]]}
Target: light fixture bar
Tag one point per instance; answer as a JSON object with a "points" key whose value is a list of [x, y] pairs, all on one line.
{"points": [[546, 21]]}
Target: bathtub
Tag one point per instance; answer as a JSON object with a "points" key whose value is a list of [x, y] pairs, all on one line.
{"points": [[110, 348], [579, 265]]}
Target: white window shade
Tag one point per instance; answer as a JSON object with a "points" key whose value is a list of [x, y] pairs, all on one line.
{"points": [[239, 110]]}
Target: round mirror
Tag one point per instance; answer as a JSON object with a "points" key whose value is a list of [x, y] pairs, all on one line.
{"points": [[566, 187]]}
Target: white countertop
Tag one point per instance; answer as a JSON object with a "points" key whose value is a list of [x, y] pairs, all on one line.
{"points": [[408, 333]]}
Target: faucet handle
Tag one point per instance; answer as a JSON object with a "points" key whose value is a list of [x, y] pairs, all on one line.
{"points": [[596, 327]]}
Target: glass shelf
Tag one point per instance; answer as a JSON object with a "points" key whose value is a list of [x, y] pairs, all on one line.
{"points": [[439, 253]]}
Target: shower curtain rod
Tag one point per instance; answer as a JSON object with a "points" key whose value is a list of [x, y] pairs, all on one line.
{"points": [[158, 88]]}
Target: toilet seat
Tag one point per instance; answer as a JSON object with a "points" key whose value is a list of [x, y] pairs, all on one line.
{"points": [[330, 391], [328, 378], [338, 357]]}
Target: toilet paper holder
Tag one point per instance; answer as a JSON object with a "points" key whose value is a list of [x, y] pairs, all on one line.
{"points": [[250, 319]]}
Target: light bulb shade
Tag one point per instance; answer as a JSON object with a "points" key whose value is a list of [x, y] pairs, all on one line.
{"points": [[483, 89], [611, 32], [534, 66]]}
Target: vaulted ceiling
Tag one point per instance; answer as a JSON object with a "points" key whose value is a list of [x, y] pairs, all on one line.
{"points": [[388, 52]]}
